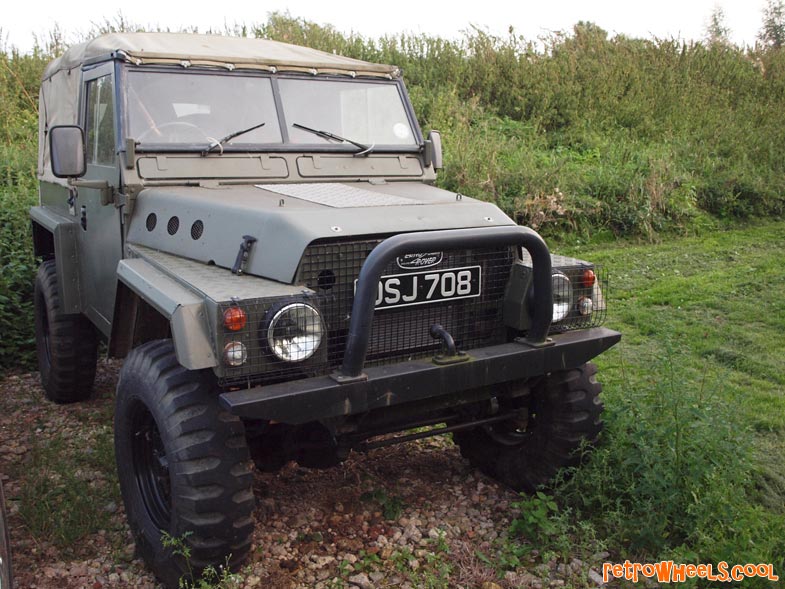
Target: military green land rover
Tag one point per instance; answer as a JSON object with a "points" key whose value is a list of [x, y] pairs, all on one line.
{"points": [[253, 226]]}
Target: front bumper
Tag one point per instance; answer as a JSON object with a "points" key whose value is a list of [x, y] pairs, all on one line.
{"points": [[323, 397]]}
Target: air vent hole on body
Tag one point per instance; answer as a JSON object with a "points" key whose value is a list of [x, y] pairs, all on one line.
{"points": [[152, 221], [197, 229], [173, 225]]}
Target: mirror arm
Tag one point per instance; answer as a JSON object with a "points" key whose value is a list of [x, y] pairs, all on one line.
{"points": [[107, 194], [433, 150], [428, 152]]}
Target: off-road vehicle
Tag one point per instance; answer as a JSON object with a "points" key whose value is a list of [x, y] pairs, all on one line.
{"points": [[254, 227]]}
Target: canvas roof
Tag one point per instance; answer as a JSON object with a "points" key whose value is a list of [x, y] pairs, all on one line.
{"points": [[214, 50]]}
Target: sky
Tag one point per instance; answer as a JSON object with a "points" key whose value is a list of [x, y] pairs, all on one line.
{"points": [[682, 19]]}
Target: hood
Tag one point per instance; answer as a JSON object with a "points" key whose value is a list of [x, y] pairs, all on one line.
{"points": [[209, 224]]}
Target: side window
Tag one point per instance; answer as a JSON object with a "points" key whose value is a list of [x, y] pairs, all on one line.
{"points": [[100, 121]]}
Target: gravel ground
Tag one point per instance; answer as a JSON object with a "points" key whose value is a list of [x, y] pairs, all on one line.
{"points": [[413, 515]]}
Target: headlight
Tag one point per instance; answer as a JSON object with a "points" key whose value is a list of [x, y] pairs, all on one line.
{"points": [[295, 332], [562, 296]]}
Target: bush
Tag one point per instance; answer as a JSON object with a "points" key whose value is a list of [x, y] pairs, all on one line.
{"points": [[17, 270], [675, 475]]}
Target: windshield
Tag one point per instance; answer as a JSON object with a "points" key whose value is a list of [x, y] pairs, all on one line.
{"points": [[365, 112], [202, 108], [199, 108]]}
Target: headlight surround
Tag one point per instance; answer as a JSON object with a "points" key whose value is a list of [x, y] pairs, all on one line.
{"points": [[295, 332], [562, 296]]}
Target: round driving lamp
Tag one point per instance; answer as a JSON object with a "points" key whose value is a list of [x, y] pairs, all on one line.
{"points": [[585, 306], [235, 354], [295, 332]]}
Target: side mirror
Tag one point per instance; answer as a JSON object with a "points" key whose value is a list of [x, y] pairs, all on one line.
{"points": [[433, 150], [67, 151]]}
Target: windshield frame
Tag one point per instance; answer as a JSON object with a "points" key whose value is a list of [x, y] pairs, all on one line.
{"points": [[318, 146]]}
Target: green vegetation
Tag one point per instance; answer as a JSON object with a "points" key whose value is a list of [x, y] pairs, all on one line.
{"points": [[391, 506], [19, 81], [64, 501], [210, 578]]}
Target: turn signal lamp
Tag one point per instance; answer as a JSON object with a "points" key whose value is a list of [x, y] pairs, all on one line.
{"points": [[235, 318], [589, 278]]}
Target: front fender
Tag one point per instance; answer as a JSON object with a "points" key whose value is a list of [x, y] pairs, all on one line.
{"points": [[184, 309]]}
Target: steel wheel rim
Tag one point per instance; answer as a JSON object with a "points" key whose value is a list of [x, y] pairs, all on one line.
{"points": [[151, 467]]}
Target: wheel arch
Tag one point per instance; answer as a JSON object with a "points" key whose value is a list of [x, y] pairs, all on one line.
{"points": [[55, 236], [152, 305]]}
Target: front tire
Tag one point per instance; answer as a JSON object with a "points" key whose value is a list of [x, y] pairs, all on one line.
{"points": [[66, 344], [183, 465], [564, 414]]}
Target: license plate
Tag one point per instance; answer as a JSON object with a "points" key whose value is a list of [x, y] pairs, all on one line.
{"points": [[421, 288]]}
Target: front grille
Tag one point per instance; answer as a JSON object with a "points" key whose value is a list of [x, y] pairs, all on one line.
{"points": [[403, 332], [330, 269]]}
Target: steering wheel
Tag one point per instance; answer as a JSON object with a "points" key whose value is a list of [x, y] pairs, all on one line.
{"points": [[175, 132]]}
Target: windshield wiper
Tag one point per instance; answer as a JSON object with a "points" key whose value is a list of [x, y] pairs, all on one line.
{"points": [[220, 142], [364, 149]]}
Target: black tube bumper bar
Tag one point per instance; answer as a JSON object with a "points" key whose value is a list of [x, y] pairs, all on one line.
{"points": [[312, 399], [407, 243]]}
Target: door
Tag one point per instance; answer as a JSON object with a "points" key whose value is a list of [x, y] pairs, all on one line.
{"points": [[100, 243]]}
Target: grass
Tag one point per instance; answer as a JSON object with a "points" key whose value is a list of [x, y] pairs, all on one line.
{"points": [[68, 487], [691, 463], [718, 300]]}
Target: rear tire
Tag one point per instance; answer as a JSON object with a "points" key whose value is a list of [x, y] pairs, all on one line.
{"points": [[564, 415], [67, 345], [183, 465]]}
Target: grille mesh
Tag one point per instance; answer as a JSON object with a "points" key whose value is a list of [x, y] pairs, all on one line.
{"points": [[403, 332]]}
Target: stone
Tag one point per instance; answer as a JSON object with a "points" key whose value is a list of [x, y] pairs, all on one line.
{"points": [[596, 578], [361, 580]]}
